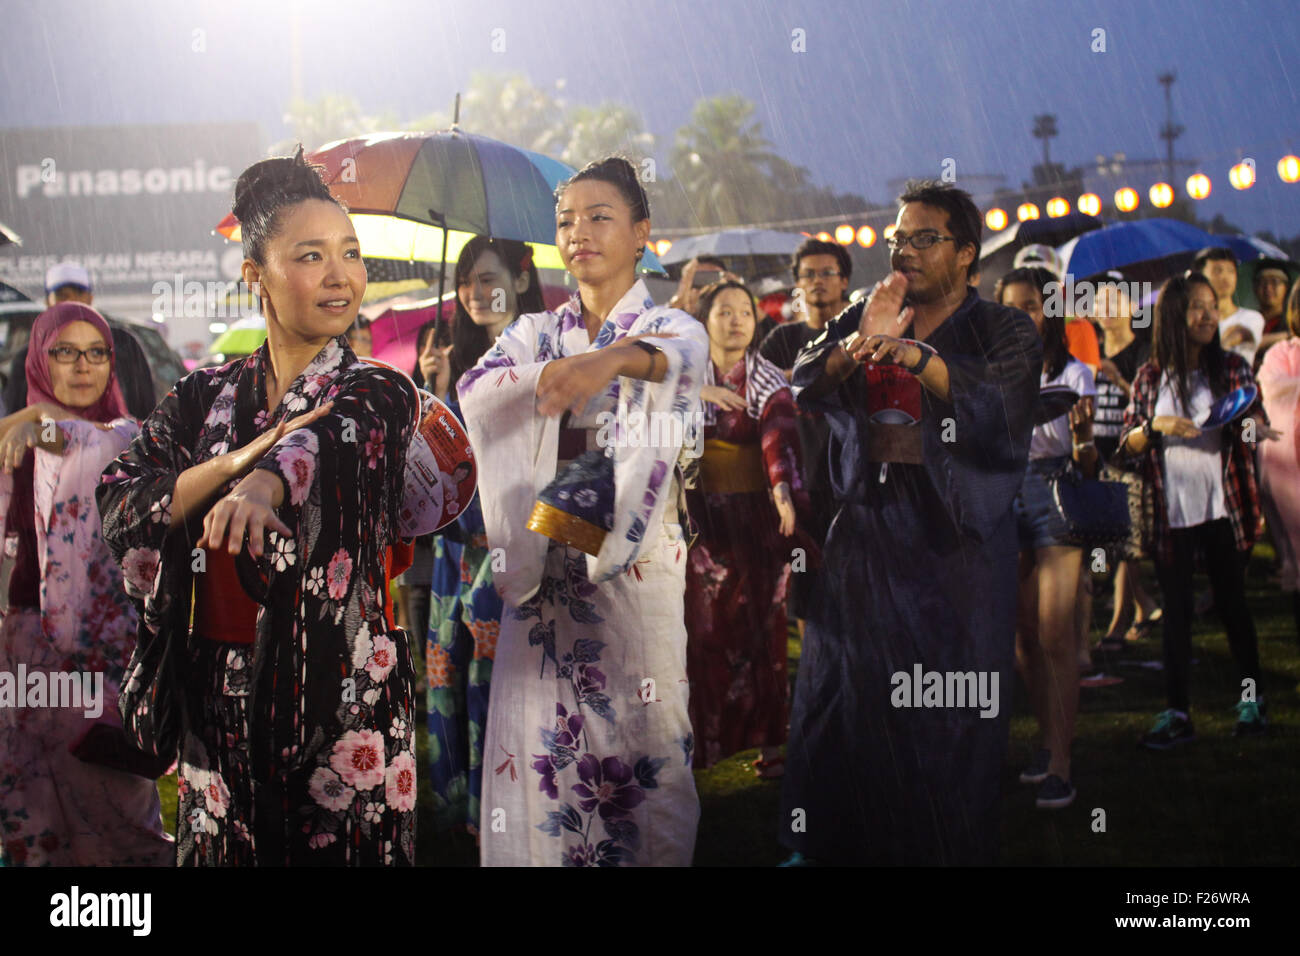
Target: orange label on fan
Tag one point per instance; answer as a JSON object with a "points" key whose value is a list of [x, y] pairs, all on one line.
{"points": [[441, 474]]}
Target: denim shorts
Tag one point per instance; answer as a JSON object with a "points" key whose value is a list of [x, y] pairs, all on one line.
{"points": [[1038, 523]]}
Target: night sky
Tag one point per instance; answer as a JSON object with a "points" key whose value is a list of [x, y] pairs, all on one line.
{"points": [[883, 90]]}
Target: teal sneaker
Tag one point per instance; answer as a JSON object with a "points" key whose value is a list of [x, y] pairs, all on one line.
{"points": [[1171, 729], [1251, 721]]}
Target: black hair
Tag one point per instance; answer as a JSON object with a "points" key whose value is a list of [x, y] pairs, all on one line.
{"points": [[1170, 346], [1269, 263], [1056, 347], [963, 215], [265, 189], [133, 375], [469, 341], [620, 174], [1211, 254], [711, 261], [360, 325], [710, 292], [819, 247]]}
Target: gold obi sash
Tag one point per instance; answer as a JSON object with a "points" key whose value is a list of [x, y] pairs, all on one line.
{"points": [[727, 468]]}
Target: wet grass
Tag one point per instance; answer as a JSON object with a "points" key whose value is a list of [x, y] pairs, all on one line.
{"points": [[1218, 801]]}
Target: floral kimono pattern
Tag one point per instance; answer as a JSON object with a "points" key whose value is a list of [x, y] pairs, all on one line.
{"points": [[297, 749], [739, 568], [464, 623], [54, 808], [589, 742]]}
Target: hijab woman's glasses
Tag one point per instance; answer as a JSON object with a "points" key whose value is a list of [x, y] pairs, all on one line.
{"points": [[67, 355]]}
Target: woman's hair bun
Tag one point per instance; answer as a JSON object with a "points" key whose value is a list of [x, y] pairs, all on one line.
{"points": [[619, 173], [268, 187]]}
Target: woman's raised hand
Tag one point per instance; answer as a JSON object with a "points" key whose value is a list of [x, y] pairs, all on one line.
{"points": [[1081, 419], [569, 384], [784, 508], [245, 458], [250, 507], [16, 443], [724, 398], [1175, 425]]}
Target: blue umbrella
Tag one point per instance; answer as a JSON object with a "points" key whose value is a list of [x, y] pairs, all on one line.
{"points": [[1127, 243], [1249, 247]]}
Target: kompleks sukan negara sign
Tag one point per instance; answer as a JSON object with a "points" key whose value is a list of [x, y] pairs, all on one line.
{"points": [[134, 204]]}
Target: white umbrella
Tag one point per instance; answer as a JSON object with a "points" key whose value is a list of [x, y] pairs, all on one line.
{"points": [[734, 242]]}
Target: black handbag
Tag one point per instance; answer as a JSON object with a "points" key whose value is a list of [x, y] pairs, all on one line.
{"points": [[1095, 512]]}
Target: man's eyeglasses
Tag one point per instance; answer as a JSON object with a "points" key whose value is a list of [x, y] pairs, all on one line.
{"points": [[824, 274], [921, 240], [67, 355]]}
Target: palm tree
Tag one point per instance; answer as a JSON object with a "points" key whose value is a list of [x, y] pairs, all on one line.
{"points": [[593, 132], [504, 106], [723, 160], [333, 116]]}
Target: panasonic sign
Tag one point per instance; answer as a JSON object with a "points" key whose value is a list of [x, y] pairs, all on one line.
{"points": [[52, 182]]}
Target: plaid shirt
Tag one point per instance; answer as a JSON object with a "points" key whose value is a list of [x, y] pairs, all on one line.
{"points": [[1240, 492]]}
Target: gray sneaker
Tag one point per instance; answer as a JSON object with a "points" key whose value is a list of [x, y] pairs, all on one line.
{"points": [[1036, 772], [1055, 794]]}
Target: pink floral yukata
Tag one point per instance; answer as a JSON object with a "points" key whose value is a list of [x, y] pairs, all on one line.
{"points": [[298, 749]]}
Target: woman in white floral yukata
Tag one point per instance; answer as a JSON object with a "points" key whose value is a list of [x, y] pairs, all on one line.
{"points": [[588, 754], [67, 796], [297, 731]]}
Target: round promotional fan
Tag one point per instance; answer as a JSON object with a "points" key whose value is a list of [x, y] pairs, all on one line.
{"points": [[441, 474], [1231, 407], [1053, 402]]}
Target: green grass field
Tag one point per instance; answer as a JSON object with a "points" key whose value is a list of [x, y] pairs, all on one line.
{"points": [[1218, 801]]}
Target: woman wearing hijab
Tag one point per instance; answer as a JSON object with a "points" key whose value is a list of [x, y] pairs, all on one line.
{"points": [[66, 795]]}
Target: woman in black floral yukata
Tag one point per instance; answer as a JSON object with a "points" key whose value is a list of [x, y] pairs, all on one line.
{"points": [[296, 734]]}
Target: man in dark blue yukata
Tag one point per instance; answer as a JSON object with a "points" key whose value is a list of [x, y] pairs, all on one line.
{"points": [[900, 716]]}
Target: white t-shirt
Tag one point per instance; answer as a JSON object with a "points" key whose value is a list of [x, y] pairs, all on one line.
{"points": [[1254, 324], [1053, 440], [1193, 466]]}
